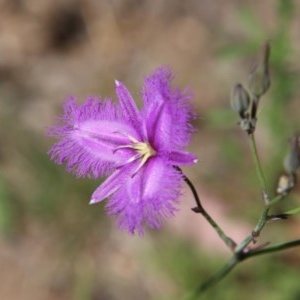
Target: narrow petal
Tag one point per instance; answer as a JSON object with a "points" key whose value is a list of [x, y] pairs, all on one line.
{"points": [[111, 184], [158, 124], [88, 137], [149, 197], [129, 107], [179, 158]]}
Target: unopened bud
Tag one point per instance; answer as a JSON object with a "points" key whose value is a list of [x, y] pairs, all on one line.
{"points": [[285, 184], [259, 78], [292, 160], [240, 99]]}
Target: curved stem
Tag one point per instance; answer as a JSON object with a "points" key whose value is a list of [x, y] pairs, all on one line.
{"points": [[274, 248], [227, 240], [219, 275], [259, 226], [237, 258], [240, 253], [214, 279], [275, 200], [258, 168], [200, 209]]}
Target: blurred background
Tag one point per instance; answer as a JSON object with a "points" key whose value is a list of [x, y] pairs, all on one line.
{"points": [[54, 245]]}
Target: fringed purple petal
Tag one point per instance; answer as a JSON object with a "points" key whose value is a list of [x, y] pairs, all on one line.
{"points": [[157, 86], [174, 129], [89, 134], [147, 198], [158, 124]]}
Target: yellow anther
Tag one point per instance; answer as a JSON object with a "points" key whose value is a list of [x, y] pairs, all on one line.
{"points": [[143, 149]]}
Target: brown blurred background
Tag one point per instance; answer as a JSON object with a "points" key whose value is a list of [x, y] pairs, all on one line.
{"points": [[53, 244]]}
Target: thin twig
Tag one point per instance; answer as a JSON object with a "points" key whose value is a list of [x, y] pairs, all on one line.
{"points": [[214, 279], [273, 248], [200, 209], [258, 168]]}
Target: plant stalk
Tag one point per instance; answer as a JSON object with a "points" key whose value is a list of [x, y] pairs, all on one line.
{"points": [[258, 168], [200, 209]]}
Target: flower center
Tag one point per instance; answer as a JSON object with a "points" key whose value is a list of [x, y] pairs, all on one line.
{"points": [[143, 152], [144, 149]]}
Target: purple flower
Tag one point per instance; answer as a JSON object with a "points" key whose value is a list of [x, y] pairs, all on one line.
{"points": [[137, 148]]}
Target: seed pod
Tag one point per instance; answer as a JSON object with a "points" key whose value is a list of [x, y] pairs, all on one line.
{"points": [[292, 159], [285, 184], [240, 99], [259, 78]]}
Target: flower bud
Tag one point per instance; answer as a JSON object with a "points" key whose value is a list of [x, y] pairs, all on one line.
{"points": [[240, 99], [285, 184], [259, 78], [292, 159]]}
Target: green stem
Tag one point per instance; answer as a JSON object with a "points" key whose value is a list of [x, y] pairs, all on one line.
{"points": [[274, 248], [219, 275], [264, 216], [258, 168], [200, 209], [274, 201], [239, 250], [237, 258], [244, 244], [227, 240], [259, 226], [256, 231], [214, 279]]}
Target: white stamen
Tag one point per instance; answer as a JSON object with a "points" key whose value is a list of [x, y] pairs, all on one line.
{"points": [[130, 160], [131, 138]]}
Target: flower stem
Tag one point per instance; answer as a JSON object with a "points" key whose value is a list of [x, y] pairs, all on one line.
{"points": [[241, 254], [227, 240], [274, 248], [275, 200], [259, 226], [237, 258], [200, 209], [240, 251], [258, 168], [264, 216], [214, 279], [231, 263]]}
